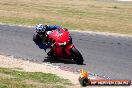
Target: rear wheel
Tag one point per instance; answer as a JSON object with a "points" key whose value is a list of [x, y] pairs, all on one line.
{"points": [[76, 55]]}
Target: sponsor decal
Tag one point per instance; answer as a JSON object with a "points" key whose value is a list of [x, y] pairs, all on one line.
{"points": [[85, 81]]}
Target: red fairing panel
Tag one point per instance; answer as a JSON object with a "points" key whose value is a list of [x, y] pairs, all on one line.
{"points": [[68, 48]]}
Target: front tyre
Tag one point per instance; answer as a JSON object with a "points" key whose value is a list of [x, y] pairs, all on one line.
{"points": [[76, 55]]}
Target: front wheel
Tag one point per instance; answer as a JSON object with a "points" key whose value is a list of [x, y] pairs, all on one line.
{"points": [[76, 55]]}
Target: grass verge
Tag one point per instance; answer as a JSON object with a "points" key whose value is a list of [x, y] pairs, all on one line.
{"points": [[18, 79], [91, 15]]}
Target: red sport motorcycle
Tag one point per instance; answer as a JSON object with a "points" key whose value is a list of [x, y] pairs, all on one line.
{"points": [[62, 47]]}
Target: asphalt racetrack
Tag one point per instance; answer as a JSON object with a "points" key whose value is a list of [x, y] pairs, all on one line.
{"points": [[109, 56]]}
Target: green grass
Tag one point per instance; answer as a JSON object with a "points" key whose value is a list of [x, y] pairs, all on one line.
{"points": [[88, 15], [18, 79]]}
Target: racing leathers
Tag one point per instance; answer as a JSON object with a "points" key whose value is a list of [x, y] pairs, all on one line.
{"points": [[40, 39]]}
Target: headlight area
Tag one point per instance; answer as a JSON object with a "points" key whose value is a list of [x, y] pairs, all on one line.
{"points": [[62, 44]]}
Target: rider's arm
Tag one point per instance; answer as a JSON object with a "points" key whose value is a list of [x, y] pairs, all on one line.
{"points": [[36, 38], [53, 27], [38, 42]]}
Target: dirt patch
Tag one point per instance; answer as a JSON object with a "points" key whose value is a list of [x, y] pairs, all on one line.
{"points": [[11, 62]]}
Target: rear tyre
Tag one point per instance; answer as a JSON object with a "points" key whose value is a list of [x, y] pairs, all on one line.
{"points": [[77, 57]]}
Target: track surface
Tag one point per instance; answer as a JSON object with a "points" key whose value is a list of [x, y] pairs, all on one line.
{"points": [[104, 55]]}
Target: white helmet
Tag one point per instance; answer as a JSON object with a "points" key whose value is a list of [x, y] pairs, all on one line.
{"points": [[40, 28]]}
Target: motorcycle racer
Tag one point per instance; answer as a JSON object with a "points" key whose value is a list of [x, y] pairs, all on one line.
{"points": [[59, 41], [39, 37]]}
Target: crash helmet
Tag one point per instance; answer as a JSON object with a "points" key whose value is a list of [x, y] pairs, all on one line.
{"points": [[40, 28]]}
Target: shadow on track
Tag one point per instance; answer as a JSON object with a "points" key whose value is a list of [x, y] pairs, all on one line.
{"points": [[59, 60]]}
